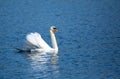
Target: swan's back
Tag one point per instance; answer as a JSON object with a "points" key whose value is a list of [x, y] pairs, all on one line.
{"points": [[36, 40]]}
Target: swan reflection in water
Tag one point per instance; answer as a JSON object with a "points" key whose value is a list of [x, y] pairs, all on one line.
{"points": [[44, 65]]}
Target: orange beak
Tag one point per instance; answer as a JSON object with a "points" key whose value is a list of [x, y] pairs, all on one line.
{"points": [[55, 30]]}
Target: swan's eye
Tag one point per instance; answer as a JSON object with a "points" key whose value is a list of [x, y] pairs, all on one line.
{"points": [[54, 28]]}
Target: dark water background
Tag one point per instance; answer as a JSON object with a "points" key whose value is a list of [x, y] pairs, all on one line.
{"points": [[88, 39]]}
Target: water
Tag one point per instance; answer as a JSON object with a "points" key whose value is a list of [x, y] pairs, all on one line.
{"points": [[88, 39]]}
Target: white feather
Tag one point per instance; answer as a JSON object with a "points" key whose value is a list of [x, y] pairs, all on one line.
{"points": [[36, 40]]}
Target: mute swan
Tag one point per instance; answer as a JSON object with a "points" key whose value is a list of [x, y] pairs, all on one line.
{"points": [[37, 44]]}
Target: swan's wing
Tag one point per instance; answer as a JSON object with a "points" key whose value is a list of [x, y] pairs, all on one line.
{"points": [[36, 40]]}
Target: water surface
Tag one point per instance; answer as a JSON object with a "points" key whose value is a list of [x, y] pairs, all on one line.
{"points": [[88, 39]]}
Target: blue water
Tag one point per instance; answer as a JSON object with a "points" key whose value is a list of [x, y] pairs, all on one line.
{"points": [[88, 39]]}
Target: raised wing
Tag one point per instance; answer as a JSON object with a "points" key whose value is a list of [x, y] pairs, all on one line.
{"points": [[36, 40]]}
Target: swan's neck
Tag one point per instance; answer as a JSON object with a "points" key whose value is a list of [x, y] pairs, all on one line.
{"points": [[54, 42]]}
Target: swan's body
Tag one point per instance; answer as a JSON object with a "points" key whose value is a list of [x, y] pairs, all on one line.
{"points": [[36, 42]]}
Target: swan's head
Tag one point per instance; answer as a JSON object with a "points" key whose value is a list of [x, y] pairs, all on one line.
{"points": [[53, 28]]}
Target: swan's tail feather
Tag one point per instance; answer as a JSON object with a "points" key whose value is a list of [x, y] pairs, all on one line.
{"points": [[23, 50]]}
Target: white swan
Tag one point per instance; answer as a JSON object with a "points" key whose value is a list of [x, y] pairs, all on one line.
{"points": [[39, 45]]}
